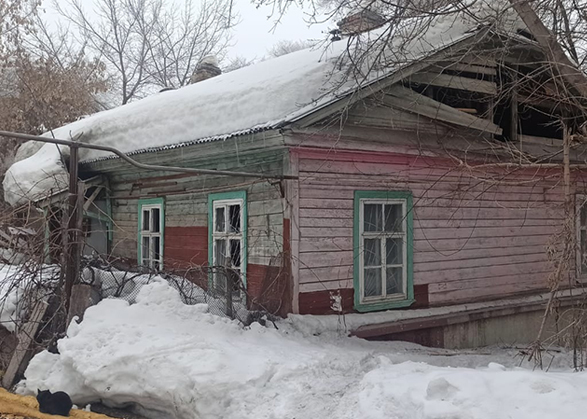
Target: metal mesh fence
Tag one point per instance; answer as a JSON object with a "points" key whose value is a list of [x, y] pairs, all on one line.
{"points": [[220, 288]]}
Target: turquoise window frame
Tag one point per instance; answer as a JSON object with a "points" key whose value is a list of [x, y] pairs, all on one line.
{"points": [[141, 204], [225, 196], [357, 252]]}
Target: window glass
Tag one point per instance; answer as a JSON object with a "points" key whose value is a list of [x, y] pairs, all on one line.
{"points": [[372, 252], [373, 217], [394, 251], [372, 282], [220, 222], [394, 281], [235, 218], [146, 218], [157, 247], [146, 252], [235, 253], [393, 217], [156, 218]]}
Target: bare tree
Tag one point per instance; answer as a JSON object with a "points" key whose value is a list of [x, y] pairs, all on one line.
{"points": [[238, 62], [287, 47], [150, 43], [183, 38]]}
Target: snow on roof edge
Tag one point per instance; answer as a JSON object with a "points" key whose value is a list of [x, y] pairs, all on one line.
{"points": [[210, 139]]}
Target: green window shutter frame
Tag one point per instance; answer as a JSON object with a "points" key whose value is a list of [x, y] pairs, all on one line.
{"points": [[383, 305], [223, 196], [150, 201]]}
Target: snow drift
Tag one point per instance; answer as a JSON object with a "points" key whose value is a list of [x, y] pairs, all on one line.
{"points": [[178, 361], [17, 285]]}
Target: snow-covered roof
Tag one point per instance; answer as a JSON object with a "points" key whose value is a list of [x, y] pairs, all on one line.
{"points": [[263, 96]]}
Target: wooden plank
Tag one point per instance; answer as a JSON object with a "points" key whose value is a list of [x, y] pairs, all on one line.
{"points": [[330, 188], [452, 275], [325, 259], [25, 337], [449, 246], [430, 256], [515, 284], [407, 99], [518, 206], [373, 114], [326, 285], [454, 82], [555, 53], [554, 142], [469, 68], [92, 197], [315, 116], [477, 59], [480, 262], [333, 273], [474, 248], [441, 320]]}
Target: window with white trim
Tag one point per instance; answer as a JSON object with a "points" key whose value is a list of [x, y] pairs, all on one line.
{"points": [[151, 235], [228, 244], [383, 275]]}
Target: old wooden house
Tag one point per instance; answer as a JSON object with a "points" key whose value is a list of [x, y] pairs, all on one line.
{"points": [[429, 191]]}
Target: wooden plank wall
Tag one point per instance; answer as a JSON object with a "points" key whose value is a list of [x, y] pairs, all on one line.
{"points": [[473, 240], [186, 218]]}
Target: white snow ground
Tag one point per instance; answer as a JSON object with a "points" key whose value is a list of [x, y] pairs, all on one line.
{"points": [[179, 361], [16, 284]]}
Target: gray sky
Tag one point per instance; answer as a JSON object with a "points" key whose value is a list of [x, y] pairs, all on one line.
{"points": [[255, 34]]}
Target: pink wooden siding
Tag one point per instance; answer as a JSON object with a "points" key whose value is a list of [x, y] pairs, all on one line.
{"points": [[473, 240]]}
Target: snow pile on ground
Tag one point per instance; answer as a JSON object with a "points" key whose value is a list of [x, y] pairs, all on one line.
{"points": [[179, 361], [126, 285], [16, 283]]}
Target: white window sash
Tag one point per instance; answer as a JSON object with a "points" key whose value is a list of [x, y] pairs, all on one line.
{"points": [[150, 258], [227, 235], [382, 235]]}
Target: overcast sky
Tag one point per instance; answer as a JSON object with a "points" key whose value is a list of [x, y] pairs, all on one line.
{"points": [[255, 34]]}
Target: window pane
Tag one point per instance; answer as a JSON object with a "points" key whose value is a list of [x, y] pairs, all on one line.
{"points": [[156, 216], [394, 251], [584, 214], [220, 222], [373, 217], [145, 251], [156, 242], [393, 217], [372, 282], [146, 216], [220, 252], [235, 253], [394, 281], [372, 251], [234, 212]]}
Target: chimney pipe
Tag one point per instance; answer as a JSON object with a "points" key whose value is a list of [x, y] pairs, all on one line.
{"points": [[206, 69]]}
